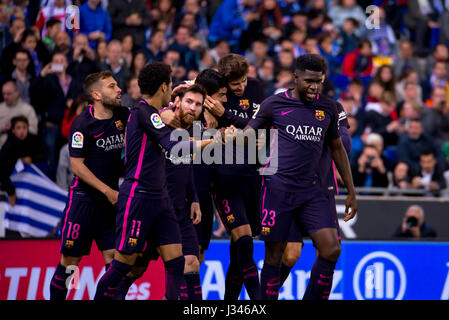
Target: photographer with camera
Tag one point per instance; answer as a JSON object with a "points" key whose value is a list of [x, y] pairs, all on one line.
{"points": [[414, 225], [370, 170]]}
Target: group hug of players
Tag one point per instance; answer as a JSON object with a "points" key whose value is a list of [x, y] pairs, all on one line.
{"points": [[163, 208]]}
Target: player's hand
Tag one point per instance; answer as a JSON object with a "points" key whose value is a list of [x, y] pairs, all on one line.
{"points": [[211, 121], [170, 119], [195, 212], [175, 90], [230, 134], [351, 207], [112, 196], [214, 106], [261, 141], [12, 199]]}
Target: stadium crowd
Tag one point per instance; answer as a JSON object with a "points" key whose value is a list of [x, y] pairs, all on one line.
{"points": [[387, 67]]}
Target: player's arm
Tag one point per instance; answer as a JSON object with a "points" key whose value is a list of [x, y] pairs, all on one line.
{"points": [[342, 163], [261, 119], [193, 200], [83, 172], [225, 118]]}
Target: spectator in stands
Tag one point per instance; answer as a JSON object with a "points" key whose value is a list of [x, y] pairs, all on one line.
{"points": [[346, 9], [206, 60], [16, 29], [114, 62], [55, 9], [412, 144], [414, 225], [386, 77], [355, 89], [53, 26], [23, 73], [36, 48], [164, 13], [421, 16], [129, 17], [220, 49], [101, 52], [132, 92], [188, 56], [438, 77], [429, 176], [13, 106], [349, 40], [231, 18], [266, 74], [51, 94], [370, 170], [64, 174], [82, 58], [406, 60], [270, 20], [154, 51], [402, 176], [200, 28], [359, 62], [440, 53], [382, 37], [172, 58], [128, 49], [79, 103], [356, 140], [377, 141], [289, 8], [409, 110], [95, 22], [20, 144], [408, 91], [373, 96], [435, 117], [258, 52], [62, 43], [137, 64]]}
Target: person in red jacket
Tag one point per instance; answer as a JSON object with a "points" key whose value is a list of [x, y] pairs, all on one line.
{"points": [[359, 62], [71, 113]]}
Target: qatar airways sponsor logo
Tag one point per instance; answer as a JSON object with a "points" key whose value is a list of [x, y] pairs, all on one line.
{"points": [[305, 133], [116, 141]]}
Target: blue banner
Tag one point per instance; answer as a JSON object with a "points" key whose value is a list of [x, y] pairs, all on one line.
{"points": [[366, 270]]}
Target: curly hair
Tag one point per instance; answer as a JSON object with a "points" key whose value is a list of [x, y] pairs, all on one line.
{"points": [[152, 76]]}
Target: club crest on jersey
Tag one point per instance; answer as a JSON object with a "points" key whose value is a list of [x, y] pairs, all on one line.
{"points": [[69, 244], [132, 242], [265, 231], [230, 218], [319, 115], [244, 104], [119, 124], [156, 121], [77, 140]]}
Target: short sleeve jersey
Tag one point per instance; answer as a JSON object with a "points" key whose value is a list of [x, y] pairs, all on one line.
{"points": [[100, 143], [302, 130], [239, 110], [147, 139]]}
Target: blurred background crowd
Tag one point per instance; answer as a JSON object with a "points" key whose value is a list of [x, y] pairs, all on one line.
{"points": [[388, 67]]}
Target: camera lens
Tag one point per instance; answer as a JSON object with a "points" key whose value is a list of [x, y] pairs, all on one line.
{"points": [[412, 222]]}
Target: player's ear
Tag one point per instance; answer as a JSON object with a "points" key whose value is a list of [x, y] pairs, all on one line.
{"points": [[323, 77], [96, 95]]}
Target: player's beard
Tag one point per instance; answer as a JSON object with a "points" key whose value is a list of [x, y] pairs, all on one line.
{"points": [[111, 103], [186, 118]]}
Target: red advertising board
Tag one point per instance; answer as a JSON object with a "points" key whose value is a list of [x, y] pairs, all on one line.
{"points": [[27, 266]]}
